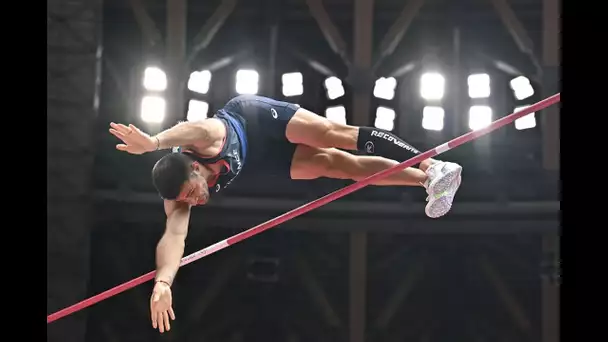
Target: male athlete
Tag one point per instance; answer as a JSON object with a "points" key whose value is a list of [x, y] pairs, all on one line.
{"points": [[254, 134]]}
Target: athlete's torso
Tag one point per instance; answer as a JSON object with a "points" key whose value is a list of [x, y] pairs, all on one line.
{"points": [[231, 158]]}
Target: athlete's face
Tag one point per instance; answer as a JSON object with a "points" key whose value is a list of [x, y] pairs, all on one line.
{"points": [[195, 191]]}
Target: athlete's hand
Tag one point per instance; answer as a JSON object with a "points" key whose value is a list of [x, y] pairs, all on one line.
{"points": [[160, 307], [135, 141]]}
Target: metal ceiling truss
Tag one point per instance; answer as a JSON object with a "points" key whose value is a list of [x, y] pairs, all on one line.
{"points": [[73, 79]]}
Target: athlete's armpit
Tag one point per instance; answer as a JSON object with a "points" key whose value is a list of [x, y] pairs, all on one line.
{"points": [[200, 135], [212, 132]]}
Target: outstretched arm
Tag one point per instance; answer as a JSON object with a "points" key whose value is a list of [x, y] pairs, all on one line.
{"points": [[169, 252], [170, 248], [199, 134]]}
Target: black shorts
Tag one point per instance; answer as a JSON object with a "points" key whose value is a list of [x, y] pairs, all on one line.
{"points": [[265, 121]]}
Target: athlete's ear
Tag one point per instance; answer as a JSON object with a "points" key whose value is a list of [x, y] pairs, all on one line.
{"points": [[196, 166]]}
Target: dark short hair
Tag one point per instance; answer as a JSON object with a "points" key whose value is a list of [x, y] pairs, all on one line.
{"points": [[170, 173]]}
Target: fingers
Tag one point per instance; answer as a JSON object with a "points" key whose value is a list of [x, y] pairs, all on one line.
{"points": [[121, 147], [153, 317], [153, 311], [117, 134], [122, 132], [161, 318], [161, 321], [137, 130], [166, 320], [120, 128]]}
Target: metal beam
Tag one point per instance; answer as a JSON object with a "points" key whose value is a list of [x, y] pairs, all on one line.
{"points": [[223, 62], [322, 224], [362, 56], [329, 30], [403, 289], [513, 67], [273, 18], [315, 64], [175, 57], [456, 82], [272, 59], [517, 31], [146, 23], [550, 292], [551, 80], [74, 57], [211, 292], [395, 34], [357, 285], [211, 27], [371, 209], [515, 309], [317, 293], [118, 80], [116, 260], [510, 255], [403, 69], [551, 32]]}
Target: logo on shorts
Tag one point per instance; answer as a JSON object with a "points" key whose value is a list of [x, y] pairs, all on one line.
{"points": [[217, 188], [274, 113], [369, 147]]}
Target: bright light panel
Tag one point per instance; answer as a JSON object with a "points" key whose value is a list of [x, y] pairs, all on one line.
{"points": [[522, 89], [432, 118], [385, 118], [480, 117], [197, 110], [336, 114], [525, 122], [293, 84], [479, 86], [199, 81], [153, 109], [155, 79], [385, 88], [334, 88], [247, 81], [432, 86]]}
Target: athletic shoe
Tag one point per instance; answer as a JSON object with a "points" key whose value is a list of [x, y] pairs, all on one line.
{"points": [[441, 186]]}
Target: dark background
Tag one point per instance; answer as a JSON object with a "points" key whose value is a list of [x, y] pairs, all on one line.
{"points": [[369, 267]]}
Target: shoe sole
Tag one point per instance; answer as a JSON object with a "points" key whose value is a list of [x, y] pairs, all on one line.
{"points": [[439, 207], [445, 182]]}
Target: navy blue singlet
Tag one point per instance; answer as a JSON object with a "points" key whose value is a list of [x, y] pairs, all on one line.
{"points": [[232, 155]]}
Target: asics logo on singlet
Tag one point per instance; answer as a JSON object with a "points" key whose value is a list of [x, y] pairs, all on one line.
{"points": [[274, 113], [395, 141]]}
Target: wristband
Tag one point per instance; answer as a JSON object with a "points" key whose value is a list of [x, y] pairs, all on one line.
{"points": [[162, 281], [157, 143]]}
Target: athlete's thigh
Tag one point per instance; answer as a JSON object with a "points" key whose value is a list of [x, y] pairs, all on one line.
{"points": [[314, 162], [308, 128], [269, 116]]}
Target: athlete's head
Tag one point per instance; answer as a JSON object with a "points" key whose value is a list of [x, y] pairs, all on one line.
{"points": [[178, 177]]}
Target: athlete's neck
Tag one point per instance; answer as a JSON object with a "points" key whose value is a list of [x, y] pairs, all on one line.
{"points": [[208, 171]]}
